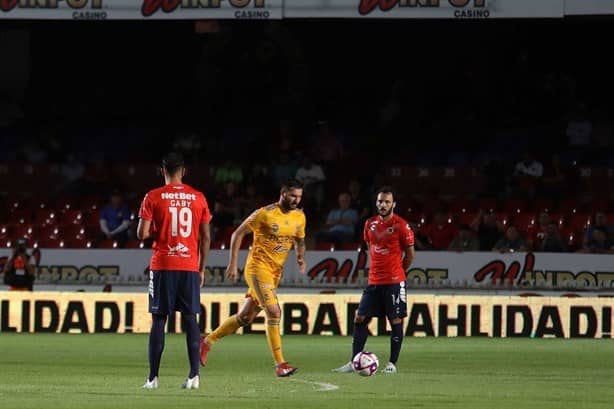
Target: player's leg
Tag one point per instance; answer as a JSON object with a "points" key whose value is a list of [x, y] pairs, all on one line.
{"points": [[246, 315], [396, 310], [159, 308], [156, 347], [188, 303], [367, 308]]}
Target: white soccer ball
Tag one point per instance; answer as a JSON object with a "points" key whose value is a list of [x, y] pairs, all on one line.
{"points": [[365, 363]]}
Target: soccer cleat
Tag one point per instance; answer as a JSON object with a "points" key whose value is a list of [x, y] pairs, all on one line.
{"points": [[389, 368], [347, 368], [191, 383], [284, 369], [204, 350], [153, 384]]}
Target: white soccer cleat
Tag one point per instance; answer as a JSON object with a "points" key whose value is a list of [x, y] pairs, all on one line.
{"points": [[153, 384], [191, 383], [347, 368], [389, 368]]}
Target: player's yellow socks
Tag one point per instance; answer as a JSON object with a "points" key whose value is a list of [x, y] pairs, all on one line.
{"points": [[229, 326], [274, 338]]}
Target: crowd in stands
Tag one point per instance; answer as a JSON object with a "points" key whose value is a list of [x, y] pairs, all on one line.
{"points": [[510, 150]]}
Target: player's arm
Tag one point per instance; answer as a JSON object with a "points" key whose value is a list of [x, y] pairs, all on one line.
{"points": [[142, 230], [299, 247], [235, 244], [410, 253], [204, 244]]}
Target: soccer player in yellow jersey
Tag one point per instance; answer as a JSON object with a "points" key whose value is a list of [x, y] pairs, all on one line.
{"points": [[276, 228]]}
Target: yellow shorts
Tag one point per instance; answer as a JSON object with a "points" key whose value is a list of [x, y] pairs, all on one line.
{"points": [[262, 282]]}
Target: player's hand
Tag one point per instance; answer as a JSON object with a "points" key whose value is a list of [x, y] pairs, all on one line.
{"points": [[231, 273], [302, 265], [202, 278]]}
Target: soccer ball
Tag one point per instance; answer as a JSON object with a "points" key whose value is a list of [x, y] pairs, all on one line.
{"points": [[365, 363]]}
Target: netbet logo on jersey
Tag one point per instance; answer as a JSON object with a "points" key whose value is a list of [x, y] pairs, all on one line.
{"points": [[8, 5]]}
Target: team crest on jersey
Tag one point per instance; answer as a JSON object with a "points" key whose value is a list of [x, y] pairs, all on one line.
{"points": [[390, 230], [275, 227], [372, 226]]}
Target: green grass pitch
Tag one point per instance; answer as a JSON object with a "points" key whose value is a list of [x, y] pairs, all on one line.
{"points": [[107, 371]]}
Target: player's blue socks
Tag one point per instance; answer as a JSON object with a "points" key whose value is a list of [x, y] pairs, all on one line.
{"points": [[156, 344], [192, 337], [360, 337], [396, 340]]}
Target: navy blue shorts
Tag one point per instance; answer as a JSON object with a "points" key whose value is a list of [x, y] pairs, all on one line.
{"points": [[388, 300], [174, 291]]}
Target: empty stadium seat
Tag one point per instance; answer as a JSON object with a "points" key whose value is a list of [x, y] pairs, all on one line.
{"points": [[71, 216], [108, 244], [325, 245], [45, 216]]}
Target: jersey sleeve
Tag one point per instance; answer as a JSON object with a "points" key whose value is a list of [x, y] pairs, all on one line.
{"points": [[255, 219], [365, 233], [407, 235], [146, 210]]}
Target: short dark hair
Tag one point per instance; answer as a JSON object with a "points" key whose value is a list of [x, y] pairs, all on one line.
{"points": [[172, 162], [386, 189], [291, 184]]}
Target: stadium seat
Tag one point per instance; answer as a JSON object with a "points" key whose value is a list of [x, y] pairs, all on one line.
{"points": [[44, 217], [465, 218], [460, 205], [569, 206], [108, 244], [49, 232], [23, 231], [91, 203], [134, 244], [488, 204], [524, 220], [5, 242], [71, 216], [48, 243], [325, 245], [77, 243], [5, 231], [218, 245], [513, 206], [21, 215], [353, 246], [578, 221], [93, 218], [542, 205], [71, 232], [66, 203]]}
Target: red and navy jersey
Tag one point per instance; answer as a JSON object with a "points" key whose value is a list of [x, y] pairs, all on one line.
{"points": [[387, 242], [176, 212]]}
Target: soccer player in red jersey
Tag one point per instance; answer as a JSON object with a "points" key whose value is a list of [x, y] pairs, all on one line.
{"points": [[391, 250], [177, 217]]}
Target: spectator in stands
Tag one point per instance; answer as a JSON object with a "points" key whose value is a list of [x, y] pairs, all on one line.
{"points": [[72, 172], [312, 176], [284, 168], [527, 176], [340, 222], [488, 228], [511, 242], [19, 271], [115, 219], [465, 240], [552, 241], [536, 233], [421, 242], [226, 208], [440, 231], [327, 147], [598, 243], [228, 171], [360, 201], [600, 221]]}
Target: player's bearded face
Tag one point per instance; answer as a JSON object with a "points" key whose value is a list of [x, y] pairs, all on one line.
{"points": [[292, 198], [384, 204]]}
